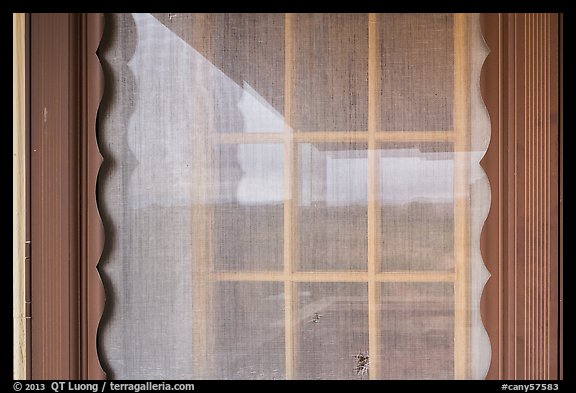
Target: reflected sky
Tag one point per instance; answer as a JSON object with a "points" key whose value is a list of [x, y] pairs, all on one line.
{"points": [[162, 136]]}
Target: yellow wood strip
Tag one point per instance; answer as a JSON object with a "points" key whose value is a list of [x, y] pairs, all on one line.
{"points": [[201, 295], [373, 195], [415, 136], [532, 209], [415, 276], [289, 173], [409, 276], [547, 126], [201, 286], [248, 137], [330, 136], [290, 326], [202, 227], [330, 277], [528, 145], [333, 136], [542, 195], [538, 176], [526, 216], [543, 321], [462, 194], [248, 276], [530, 201], [19, 193]]}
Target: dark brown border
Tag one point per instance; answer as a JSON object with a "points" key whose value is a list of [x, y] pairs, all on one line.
{"points": [[91, 235], [66, 232], [520, 303], [561, 195]]}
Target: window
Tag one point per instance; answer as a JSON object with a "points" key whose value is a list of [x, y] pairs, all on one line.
{"points": [[288, 196], [294, 196]]}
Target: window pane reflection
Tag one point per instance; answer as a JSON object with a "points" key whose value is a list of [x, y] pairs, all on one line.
{"points": [[417, 211], [332, 209]]}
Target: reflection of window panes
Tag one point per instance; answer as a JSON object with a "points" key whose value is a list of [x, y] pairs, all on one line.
{"points": [[248, 206], [417, 212], [333, 206]]}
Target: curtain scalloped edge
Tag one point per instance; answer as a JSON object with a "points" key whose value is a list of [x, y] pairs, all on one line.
{"points": [[491, 153]]}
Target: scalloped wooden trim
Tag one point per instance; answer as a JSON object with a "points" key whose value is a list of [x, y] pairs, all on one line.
{"points": [[67, 296], [67, 233], [520, 238], [490, 236], [93, 241]]}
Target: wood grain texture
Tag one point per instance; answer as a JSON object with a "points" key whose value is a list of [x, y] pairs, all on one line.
{"points": [[91, 238], [54, 337], [67, 296], [560, 193], [334, 136], [462, 196], [19, 193], [411, 276], [521, 235], [374, 214], [520, 238], [290, 204], [202, 241]]}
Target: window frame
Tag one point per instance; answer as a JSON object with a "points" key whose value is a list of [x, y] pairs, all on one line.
{"points": [[514, 86], [64, 82]]}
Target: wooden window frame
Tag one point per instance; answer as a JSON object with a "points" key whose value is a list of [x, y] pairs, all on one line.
{"points": [[373, 277], [521, 240]]}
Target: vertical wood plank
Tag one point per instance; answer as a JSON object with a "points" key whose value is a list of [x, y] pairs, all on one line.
{"points": [[290, 301], [547, 201], [65, 231], [90, 91], [373, 194], [19, 193], [54, 204], [203, 224], [530, 215], [462, 194], [528, 85]]}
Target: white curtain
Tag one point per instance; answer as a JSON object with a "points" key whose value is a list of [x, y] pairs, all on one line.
{"points": [[264, 221]]}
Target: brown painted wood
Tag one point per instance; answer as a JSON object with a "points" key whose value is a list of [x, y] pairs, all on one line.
{"points": [[520, 304], [520, 240], [90, 89], [492, 233], [560, 196], [27, 267], [66, 232], [53, 261]]}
